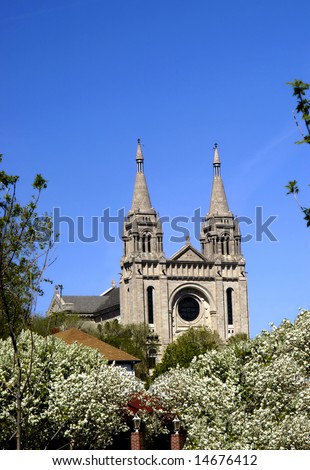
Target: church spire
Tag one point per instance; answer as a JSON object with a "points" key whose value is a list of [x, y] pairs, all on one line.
{"points": [[142, 234], [218, 203], [141, 201]]}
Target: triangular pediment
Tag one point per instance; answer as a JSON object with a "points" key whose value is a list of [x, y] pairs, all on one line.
{"points": [[188, 253]]}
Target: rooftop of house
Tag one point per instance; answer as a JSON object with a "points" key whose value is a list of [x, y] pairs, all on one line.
{"points": [[110, 353]]}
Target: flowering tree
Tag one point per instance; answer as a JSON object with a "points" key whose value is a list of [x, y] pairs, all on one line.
{"points": [[25, 244], [251, 395], [193, 342], [73, 399]]}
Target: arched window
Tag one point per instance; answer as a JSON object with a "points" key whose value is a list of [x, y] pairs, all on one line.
{"points": [[146, 243], [152, 357], [149, 243], [159, 243], [143, 244], [223, 245], [150, 304], [230, 319]]}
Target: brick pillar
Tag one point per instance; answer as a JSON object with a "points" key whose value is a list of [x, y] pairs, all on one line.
{"points": [[176, 441], [136, 441]]}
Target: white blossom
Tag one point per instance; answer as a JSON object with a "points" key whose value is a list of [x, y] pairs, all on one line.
{"points": [[251, 395], [72, 396]]}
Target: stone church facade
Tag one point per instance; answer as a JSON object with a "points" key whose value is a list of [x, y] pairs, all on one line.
{"points": [[190, 289]]}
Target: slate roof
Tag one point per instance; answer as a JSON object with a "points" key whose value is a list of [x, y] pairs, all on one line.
{"points": [[93, 303], [110, 353]]}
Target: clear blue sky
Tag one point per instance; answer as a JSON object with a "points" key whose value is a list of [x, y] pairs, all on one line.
{"points": [[81, 80]]}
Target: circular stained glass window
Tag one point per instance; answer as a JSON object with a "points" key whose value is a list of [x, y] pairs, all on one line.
{"points": [[188, 308]]}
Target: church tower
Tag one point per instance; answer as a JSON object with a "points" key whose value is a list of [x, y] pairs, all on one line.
{"points": [[221, 245], [142, 234], [143, 284]]}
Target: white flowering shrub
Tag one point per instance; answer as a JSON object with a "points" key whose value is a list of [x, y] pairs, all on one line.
{"points": [[251, 395], [71, 396]]}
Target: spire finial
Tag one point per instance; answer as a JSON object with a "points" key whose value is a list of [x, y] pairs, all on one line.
{"points": [[139, 158], [216, 161]]}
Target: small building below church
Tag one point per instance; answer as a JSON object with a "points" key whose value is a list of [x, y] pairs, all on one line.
{"points": [[110, 353]]}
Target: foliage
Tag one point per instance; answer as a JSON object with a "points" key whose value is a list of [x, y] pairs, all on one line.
{"points": [[25, 243], [131, 338], [24, 248], [303, 107], [250, 395], [237, 338], [73, 399], [294, 190], [190, 344], [45, 326]]}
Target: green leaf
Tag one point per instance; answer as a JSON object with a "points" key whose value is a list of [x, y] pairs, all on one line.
{"points": [[292, 187], [39, 182]]}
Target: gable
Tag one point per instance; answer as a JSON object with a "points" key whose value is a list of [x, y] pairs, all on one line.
{"points": [[188, 253]]}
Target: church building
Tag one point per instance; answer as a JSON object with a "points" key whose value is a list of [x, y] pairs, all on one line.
{"points": [[190, 289]]}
